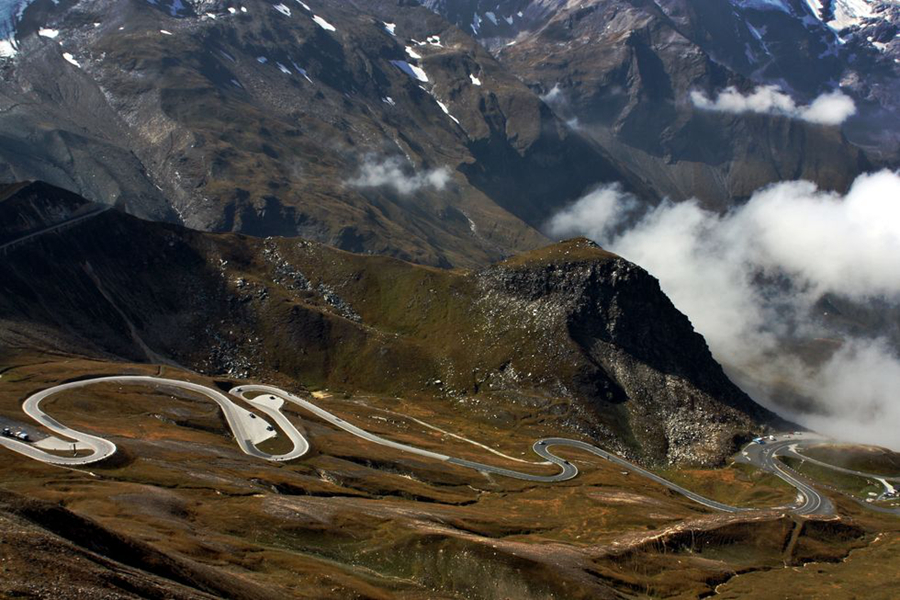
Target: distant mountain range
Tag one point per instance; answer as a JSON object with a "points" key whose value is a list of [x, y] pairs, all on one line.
{"points": [[383, 127], [624, 71]]}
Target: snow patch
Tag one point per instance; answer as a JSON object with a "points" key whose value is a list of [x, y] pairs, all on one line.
{"points": [[323, 23], [475, 80], [446, 110], [301, 70], [164, 32], [71, 59], [8, 48], [11, 12], [391, 28], [412, 53], [411, 70], [49, 33], [283, 9], [848, 13]]}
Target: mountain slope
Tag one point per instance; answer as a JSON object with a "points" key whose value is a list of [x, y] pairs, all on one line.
{"points": [[567, 328], [281, 120], [623, 73]]}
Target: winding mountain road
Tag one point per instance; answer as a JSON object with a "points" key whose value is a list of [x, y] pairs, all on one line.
{"points": [[101, 449], [72, 221], [765, 456], [270, 401]]}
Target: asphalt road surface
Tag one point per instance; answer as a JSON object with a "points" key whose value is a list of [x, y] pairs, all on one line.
{"points": [[270, 400], [765, 456], [101, 449]]}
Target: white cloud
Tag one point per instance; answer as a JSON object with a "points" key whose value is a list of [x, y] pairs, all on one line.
{"points": [[832, 108], [598, 214], [394, 173], [829, 109], [749, 280]]}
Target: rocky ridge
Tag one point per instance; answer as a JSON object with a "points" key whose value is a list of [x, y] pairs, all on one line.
{"points": [[569, 329]]}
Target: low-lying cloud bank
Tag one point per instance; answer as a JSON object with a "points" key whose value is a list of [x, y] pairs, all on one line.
{"points": [[751, 279], [396, 174], [832, 108]]}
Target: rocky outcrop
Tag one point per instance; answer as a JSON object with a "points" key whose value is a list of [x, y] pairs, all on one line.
{"points": [[628, 349]]}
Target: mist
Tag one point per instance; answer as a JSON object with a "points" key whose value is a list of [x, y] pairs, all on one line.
{"points": [[750, 281], [831, 108], [396, 174]]}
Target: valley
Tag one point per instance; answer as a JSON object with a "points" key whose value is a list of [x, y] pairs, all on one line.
{"points": [[315, 515], [381, 487], [449, 299]]}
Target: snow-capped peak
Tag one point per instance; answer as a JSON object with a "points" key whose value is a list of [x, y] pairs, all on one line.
{"points": [[847, 13], [837, 14]]}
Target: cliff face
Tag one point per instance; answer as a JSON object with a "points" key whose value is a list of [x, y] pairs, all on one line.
{"points": [[630, 352], [571, 335]]}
